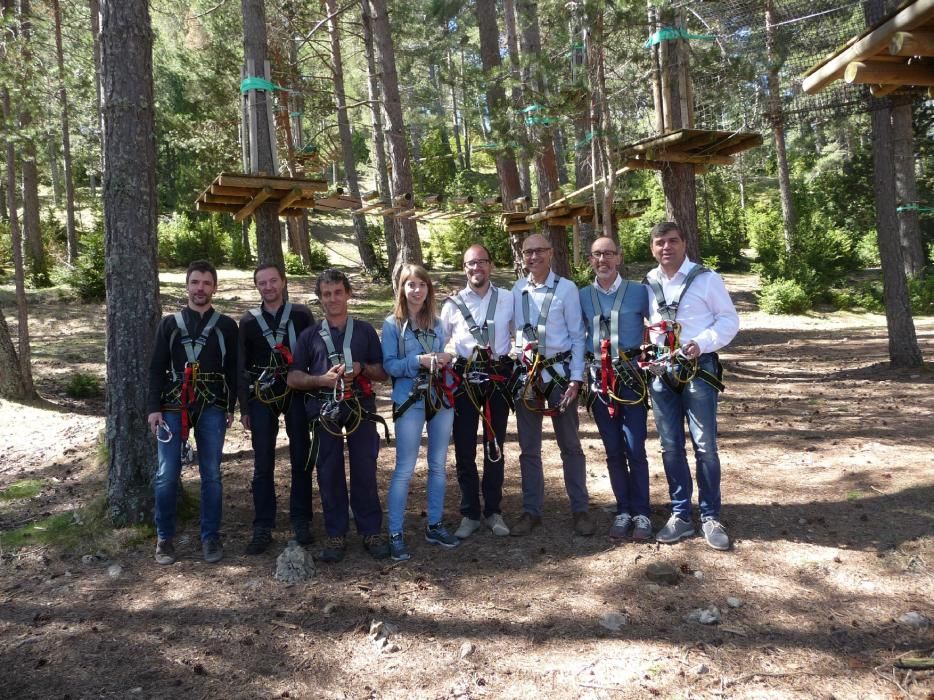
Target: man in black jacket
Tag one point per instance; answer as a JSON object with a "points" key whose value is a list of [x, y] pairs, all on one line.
{"points": [[192, 385], [267, 340]]}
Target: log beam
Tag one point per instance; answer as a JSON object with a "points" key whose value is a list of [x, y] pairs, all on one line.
{"points": [[912, 44], [286, 201], [879, 73], [253, 204]]}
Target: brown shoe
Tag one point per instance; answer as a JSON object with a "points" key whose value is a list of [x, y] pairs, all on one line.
{"points": [[583, 524], [526, 523]]}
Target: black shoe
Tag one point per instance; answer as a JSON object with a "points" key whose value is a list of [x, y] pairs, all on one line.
{"points": [[334, 550], [302, 531], [165, 552], [262, 538], [377, 546]]}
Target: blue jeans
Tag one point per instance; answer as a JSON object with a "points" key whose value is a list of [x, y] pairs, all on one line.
{"points": [[264, 422], [408, 439], [697, 403], [624, 440], [209, 438]]}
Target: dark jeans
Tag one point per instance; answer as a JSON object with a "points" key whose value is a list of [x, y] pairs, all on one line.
{"points": [[264, 420], [624, 441], [466, 426], [363, 449]]}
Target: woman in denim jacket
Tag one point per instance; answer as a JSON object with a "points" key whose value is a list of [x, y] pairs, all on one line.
{"points": [[413, 343]]}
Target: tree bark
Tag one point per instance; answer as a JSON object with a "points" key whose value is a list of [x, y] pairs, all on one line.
{"points": [[410, 247], [95, 8], [438, 106], [70, 226], [903, 341], [130, 206], [391, 232], [54, 173], [364, 247], [266, 217], [521, 135], [777, 118], [455, 125], [12, 386], [906, 189]]}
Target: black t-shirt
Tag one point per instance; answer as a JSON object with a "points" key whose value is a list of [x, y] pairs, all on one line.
{"points": [[253, 349], [311, 355], [212, 363]]}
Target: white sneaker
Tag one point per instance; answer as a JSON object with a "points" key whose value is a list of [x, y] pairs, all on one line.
{"points": [[497, 525], [467, 528]]}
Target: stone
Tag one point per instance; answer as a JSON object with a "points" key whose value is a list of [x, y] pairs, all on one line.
{"points": [[802, 521], [114, 570], [614, 621], [329, 609], [699, 575], [704, 616], [915, 620], [467, 648], [734, 602], [663, 573], [295, 564], [700, 669]]}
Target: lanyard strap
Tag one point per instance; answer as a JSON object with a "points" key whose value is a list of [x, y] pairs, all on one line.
{"points": [[538, 333], [276, 338], [601, 328], [484, 335], [193, 347]]}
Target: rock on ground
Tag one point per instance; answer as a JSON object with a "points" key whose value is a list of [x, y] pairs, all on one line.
{"points": [[295, 564], [704, 616]]}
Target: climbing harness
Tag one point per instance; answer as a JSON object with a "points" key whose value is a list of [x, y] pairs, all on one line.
{"points": [[269, 383], [435, 385], [341, 412]]}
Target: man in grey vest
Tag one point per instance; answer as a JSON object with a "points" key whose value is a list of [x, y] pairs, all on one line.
{"points": [[691, 317]]}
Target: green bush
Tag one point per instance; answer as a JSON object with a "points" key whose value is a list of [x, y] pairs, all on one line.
{"points": [[783, 297], [240, 257], [87, 276], [183, 238], [922, 295], [83, 386], [318, 259], [294, 265]]}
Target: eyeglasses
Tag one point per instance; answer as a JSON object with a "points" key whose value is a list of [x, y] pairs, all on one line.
{"points": [[477, 263], [600, 254], [530, 252]]}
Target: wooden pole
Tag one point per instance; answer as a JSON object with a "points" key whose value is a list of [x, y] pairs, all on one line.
{"points": [[912, 44], [882, 73]]}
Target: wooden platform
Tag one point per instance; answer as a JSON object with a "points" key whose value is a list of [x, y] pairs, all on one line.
{"points": [[697, 146], [240, 195]]}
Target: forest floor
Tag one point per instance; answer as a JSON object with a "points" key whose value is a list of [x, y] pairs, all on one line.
{"points": [[828, 489]]}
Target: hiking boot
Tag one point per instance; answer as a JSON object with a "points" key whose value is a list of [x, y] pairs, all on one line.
{"points": [[467, 528], [212, 550], [583, 523], [334, 550], [376, 546], [641, 528], [620, 527], [527, 522], [675, 529], [165, 552], [438, 534], [262, 538], [397, 549], [497, 525], [302, 531], [715, 534]]}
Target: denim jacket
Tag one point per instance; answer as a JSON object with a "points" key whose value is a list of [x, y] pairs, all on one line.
{"points": [[403, 369]]}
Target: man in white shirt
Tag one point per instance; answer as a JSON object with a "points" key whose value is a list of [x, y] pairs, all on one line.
{"points": [[478, 320], [550, 339], [692, 317]]}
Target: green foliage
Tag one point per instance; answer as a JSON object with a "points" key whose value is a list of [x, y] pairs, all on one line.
{"points": [[435, 172], [87, 276], [83, 386], [240, 258], [634, 233], [318, 259], [294, 265], [922, 295], [183, 238], [783, 297], [721, 222], [24, 488]]}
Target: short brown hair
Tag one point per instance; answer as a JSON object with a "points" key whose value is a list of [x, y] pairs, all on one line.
{"points": [[663, 227], [201, 266]]}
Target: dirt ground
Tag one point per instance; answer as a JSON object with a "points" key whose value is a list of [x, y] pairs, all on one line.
{"points": [[827, 486]]}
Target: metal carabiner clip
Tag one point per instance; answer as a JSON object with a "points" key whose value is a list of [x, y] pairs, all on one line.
{"points": [[163, 428]]}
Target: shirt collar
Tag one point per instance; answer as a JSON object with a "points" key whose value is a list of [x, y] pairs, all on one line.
{"points": [[613, 287], [683, 270], [549, 281], [468, 291]]}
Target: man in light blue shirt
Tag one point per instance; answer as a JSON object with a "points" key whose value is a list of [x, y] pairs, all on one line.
{"points": [[550, 340]]}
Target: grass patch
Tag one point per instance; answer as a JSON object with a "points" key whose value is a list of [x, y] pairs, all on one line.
{"points": [[854, 495], [26, 488]]}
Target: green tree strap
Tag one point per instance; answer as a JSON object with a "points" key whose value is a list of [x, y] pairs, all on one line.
{"points": [[254, 83], [913, 207], [673, 33]]}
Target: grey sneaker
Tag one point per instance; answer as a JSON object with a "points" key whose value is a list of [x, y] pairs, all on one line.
{"points": [[675, 529], [438, 534], [397, 549], [165, 552], [715, 534], [641, 528], [467, 528], [213, 552], [497, 525], [620, 527]]}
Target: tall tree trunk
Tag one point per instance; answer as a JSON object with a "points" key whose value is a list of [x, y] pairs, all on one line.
{"points": [[465, 112], [455, 126], [391, 232], [70, 227], [520, 133], [266, 217], [438, 106], [12, 385], [28, 165], [245, 238], [130, 202], [54, 173], [4, 212], [906, 189], [545, 163], [777, 118], [364, 247], [95, 8], [410, 247]]}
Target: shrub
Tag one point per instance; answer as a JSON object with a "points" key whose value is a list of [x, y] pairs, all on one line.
{"points": [[87, 276], [240, 258], [83, 386], [183, 238], [318, 259], [783, 297], [294, 265], [922, 295]]}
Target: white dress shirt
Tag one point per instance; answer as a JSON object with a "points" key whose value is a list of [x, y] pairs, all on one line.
{"points": [[705, 312], [564, 327], [456, 328]]}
